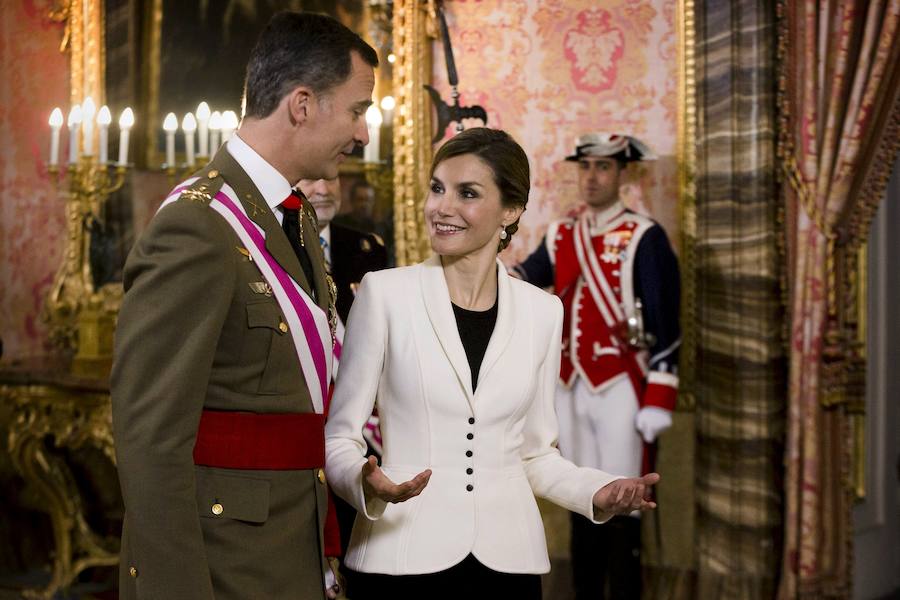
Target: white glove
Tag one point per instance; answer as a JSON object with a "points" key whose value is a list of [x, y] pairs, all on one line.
{"points": [[652, 421]]}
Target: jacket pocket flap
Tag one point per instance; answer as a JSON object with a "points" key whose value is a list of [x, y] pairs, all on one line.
{"points": [[222, 496], [263, 314]]}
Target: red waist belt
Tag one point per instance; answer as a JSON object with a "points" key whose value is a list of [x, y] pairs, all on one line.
{"points": [[243, 440]]}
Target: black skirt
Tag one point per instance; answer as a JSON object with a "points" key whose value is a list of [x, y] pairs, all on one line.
{"points": [[468, 580]]}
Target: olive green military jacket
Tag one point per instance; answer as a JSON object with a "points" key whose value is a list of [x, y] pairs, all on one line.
{"points": [[194, 334]]}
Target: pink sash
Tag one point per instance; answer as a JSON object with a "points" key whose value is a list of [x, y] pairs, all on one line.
{"points": [[306, 320]]}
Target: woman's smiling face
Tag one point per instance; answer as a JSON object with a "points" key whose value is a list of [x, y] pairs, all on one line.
{"points": [[464, 209]]}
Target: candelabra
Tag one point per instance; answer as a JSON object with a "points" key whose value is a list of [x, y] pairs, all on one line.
{"points": [[81, 317]]}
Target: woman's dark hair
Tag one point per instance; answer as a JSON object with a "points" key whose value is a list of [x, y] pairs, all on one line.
{"points": [[506, 159], [299, 49]]}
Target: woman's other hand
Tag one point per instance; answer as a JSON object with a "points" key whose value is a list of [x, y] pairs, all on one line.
{"points": [[377, 485], [624, 496]]}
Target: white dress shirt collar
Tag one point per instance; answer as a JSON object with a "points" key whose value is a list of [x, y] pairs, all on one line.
{"points": [[268, 180]]}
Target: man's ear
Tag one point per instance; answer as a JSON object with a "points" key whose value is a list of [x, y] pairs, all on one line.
{"points": [[300, 102]]}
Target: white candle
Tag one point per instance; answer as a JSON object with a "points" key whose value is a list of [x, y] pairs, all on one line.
{"points": [[374, 120], [170, 125], [229, 124], [125, 123], [104, 118], [73, 122], [215, 126], [189, 126], [56, 121], [88, 112], [203, 127], [387, 106]]}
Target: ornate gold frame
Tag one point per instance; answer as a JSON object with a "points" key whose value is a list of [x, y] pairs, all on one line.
{"points": [[686, 159], [415, 25]]}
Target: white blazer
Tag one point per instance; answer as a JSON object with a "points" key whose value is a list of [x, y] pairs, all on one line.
{"points": [[490, 451]]}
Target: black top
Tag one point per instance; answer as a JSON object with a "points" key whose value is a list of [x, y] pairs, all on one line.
{"points": [[475, 329]]}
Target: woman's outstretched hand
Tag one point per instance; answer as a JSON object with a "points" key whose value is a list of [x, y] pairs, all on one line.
{"points": [[377, 485], [624, 496]]}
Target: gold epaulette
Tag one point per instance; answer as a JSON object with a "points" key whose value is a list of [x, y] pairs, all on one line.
{"points": [[209, 182]]}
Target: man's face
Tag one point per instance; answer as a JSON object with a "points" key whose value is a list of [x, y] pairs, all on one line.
{"points": [[336, 122], [325, 196], [598, 181]]}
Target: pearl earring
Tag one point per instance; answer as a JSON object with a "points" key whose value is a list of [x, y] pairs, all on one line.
{"points": [[503, 234]]}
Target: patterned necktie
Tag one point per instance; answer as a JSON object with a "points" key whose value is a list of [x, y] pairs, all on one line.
{"points": [[291, 225], [326, 252]]}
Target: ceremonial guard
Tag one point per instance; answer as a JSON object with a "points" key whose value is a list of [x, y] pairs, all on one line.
{"points": [[224, 342], [617, 277]]}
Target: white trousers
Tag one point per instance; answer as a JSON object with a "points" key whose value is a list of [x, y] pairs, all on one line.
{"points": [[597, 429]]}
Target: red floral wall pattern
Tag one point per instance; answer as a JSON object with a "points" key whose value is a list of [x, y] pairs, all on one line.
{"points": [[35, 76], [549, 70]]}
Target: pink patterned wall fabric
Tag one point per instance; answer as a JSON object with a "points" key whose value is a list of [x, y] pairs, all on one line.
{"points": [[35, 76], [549, 70]]}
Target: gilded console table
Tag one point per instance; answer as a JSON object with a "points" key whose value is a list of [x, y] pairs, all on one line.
{"points": [[43, 410]]}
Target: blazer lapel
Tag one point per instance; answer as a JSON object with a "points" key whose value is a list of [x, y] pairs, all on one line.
{"points": [[440, 313], [259, 212], [503, 328]]}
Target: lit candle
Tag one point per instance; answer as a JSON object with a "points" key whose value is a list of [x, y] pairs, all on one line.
{"points": [[73, 122], [104, 118], [203, 127], [126, 121], [215, 126], [170, 125], [229, 124], [374, 120], [88, 112], [387, 105], [56, 121], [189, 126]]}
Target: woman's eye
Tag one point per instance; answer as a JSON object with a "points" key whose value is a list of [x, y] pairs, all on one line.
{"points": [[436, 188], [467, 193]]}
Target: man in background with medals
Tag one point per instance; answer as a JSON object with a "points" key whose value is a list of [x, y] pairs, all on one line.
{"points": [[617, 277], [349, 255], [224, 342]]}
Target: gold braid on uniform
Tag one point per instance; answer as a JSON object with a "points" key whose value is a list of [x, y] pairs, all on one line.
{"points": [[332, 307]]}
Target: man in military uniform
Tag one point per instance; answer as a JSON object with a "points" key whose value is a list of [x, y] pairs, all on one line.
{"points": [[349, 255], [223, 347], [617, 277]]}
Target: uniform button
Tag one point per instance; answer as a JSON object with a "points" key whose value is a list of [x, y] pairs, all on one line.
{"points": [[282, 327], [469, 436], [133, 572], [469, 453], [471, 420], [217, 509], [212, 174], [469, 471], [470, 487], [320, 474]]}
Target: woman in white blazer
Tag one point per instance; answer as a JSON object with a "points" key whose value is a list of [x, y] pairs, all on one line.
{"points": [[462, 362]]}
